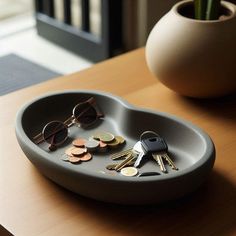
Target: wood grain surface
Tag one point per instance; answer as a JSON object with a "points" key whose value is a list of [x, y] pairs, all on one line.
{"points": [[30, 204]]}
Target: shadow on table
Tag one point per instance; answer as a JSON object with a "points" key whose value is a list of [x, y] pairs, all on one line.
{"points": [[222, 107], [208, 211]]}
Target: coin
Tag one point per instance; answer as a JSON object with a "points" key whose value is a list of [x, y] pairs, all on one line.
{"points": [[96, 136], [68, 151], [106, 137], [129, 171], [64, 158], [120, 139], [86, 157], [114, 143], [78, 151], [102, 144], [79, 142], [91, 145], [74, 159]]}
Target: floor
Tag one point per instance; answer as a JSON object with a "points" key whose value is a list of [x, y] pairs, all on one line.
{"points": [[18, 35]]}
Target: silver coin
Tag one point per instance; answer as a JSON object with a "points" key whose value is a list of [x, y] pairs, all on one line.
{"points": [[91, 144]]}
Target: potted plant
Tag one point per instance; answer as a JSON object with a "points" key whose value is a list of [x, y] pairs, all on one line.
{"points": [[207, 9], [192, 49]]}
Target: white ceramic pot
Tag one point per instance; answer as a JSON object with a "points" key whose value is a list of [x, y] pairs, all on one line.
{"points": [[195, 58]]}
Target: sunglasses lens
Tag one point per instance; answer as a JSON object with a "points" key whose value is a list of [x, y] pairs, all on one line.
{"points": [[55, 132], [85, 114]]}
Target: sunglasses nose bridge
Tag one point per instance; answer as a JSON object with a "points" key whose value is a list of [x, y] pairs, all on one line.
{"points": [[70, 121]]}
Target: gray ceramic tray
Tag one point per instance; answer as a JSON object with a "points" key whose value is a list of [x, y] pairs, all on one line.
{"points": [[191, 149]]}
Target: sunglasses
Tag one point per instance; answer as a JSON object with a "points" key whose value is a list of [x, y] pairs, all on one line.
{"points": [[84, 114]]}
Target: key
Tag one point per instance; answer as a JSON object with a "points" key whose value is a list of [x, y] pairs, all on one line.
{"points": [[135, 151], [124, 163], [121, 154], [158, 159], [141, 153], [157, 147], [169, 161], [113, 166]]}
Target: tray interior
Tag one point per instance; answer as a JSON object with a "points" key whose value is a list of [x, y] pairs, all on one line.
{"points": [[186, 145]]}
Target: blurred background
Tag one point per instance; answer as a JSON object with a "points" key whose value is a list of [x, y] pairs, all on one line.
{"points": [[69, 35]]}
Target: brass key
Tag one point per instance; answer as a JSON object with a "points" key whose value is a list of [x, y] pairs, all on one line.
{"points": [[113, 166], [121, 154], [158, 159], [169, 161], [124, 163]]}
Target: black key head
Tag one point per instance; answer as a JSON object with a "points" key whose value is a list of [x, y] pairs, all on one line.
{"points": [[154, 145]]}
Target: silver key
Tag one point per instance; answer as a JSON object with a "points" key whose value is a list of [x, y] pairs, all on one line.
{"points": [[141, 152], [137, 148]]}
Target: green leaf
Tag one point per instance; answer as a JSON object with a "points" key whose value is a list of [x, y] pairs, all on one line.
{"points": [[200, 7], [213, 7]]}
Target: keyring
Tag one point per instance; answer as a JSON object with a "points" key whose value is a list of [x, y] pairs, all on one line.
{"points": [[148, 132]]}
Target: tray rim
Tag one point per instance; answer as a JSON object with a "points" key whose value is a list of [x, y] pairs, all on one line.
{"points": [[208, 154]]}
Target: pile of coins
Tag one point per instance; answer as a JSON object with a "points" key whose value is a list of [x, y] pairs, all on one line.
{"points": [[76, 154], [108, 139], [82, 149]]}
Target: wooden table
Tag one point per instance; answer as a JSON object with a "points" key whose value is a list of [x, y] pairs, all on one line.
{"points": [[30, 204]]}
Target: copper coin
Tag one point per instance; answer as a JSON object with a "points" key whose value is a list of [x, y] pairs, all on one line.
{"points": [[74, 159], [86, 157], [102, 144], [79, 142], [68, 151], [120, 139], [78, 151]]}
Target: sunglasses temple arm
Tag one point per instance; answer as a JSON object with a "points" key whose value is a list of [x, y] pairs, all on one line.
{"points": [[83, 112], [38, 138], [52, 145], [92, 102]]}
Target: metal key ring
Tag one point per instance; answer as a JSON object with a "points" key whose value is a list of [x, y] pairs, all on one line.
{"points": [[148, 132]]}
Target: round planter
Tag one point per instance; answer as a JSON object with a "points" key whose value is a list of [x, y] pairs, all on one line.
{"points": [[195, 58]]}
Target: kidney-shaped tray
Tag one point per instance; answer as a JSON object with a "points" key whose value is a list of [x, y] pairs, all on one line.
{"points": [[190, 148]]}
